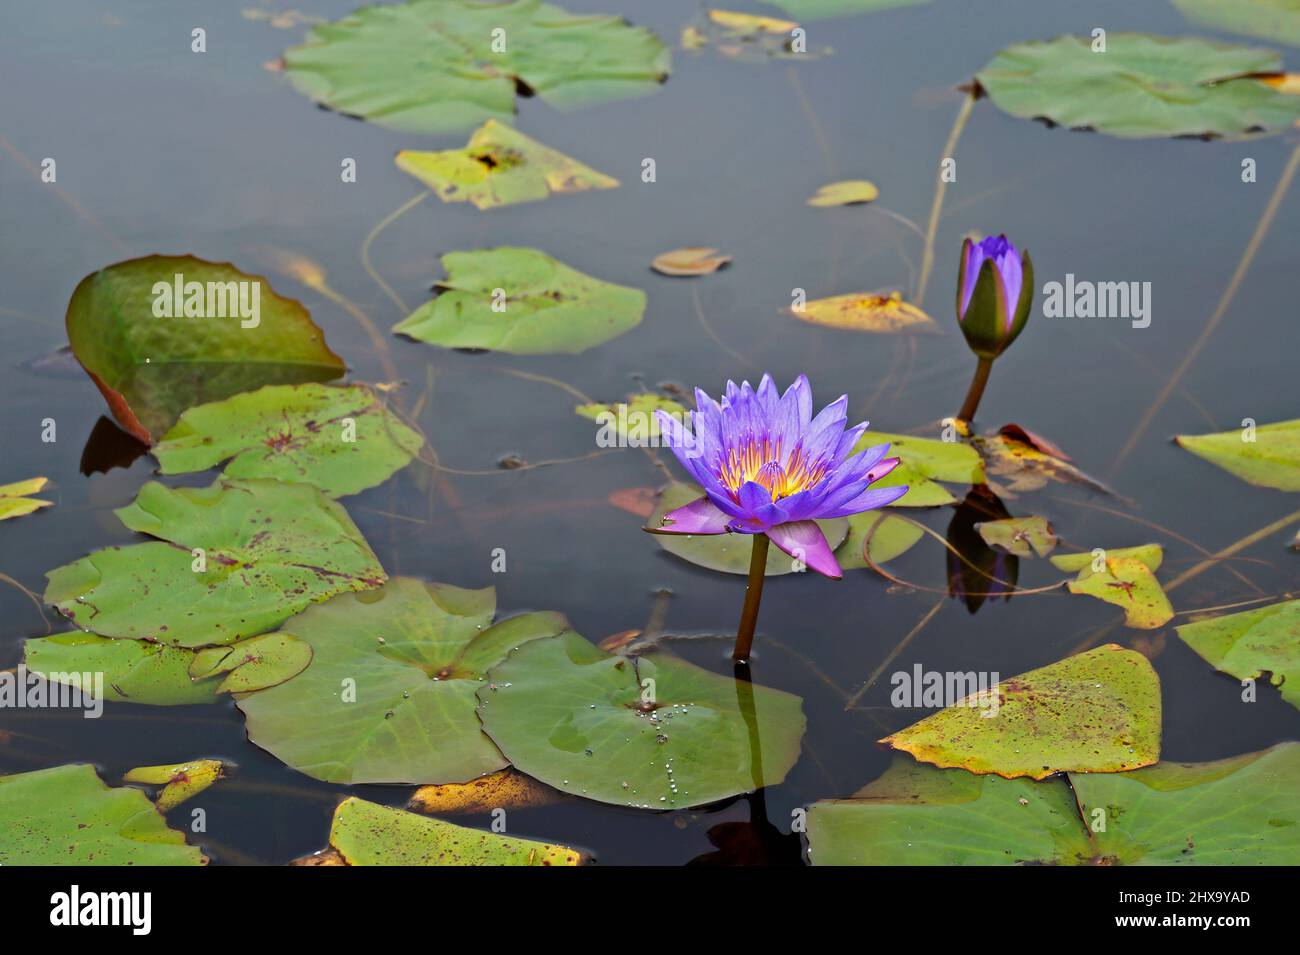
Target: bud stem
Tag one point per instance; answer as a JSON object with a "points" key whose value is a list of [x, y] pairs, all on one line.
{"points": [[976, 391], [753, 593]]}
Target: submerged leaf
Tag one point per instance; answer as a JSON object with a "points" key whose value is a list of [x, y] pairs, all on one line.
{"points": [[1140, 86], [16, 500], [233, 560], [433, 66], [1267, 455], [690, 260], [1252, 643], [1096, 712], [544, 306], [179, 782], [151, 368], [364, 833], [650, 732], [500, 167], [866, 312], [67, 816], [341, 439], [846, 193], [393, 676], [1024, 466]]}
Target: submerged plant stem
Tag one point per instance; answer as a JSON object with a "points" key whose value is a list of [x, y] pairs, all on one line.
{"points": [[936, 208], [976, 390], [753, 594]]}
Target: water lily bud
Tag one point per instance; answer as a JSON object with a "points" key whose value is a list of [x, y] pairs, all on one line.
{"points": [[995, 290]]}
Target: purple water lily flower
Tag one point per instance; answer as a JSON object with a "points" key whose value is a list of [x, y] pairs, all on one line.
{"points": [[767, 466], [995, 289]]}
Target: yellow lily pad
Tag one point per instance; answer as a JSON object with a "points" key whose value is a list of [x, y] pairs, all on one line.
{"points": [[16, 500], [179, 782], [689, 260], [867, 312], [849, 192]]}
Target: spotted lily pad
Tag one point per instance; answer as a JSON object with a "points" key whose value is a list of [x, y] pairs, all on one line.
{"points": [[1141, 86], [500, 166], [504, 789], [67, 816], [1267, 456], [265, 551], [866, 312], [1252, 643], [179, 782], [1096, 712], [652, 732], [1237, 811], [433, 66], [16, 499], [364, 833], [728, 553], [1022, 536], [150, 368], [846, 193], [254, 664], [524, 302], [1127, 582], [1016, 466], [341, 439], [393, 676], [1277, 21], [1094, 561]]}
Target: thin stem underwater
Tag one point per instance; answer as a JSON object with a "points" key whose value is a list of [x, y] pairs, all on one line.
{"points": [[753, 594]]}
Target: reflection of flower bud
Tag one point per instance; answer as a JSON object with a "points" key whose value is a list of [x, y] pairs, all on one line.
{"points": [[995, 289]]}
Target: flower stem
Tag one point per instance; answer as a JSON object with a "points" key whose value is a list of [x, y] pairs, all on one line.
{"points": [[976, 391], [753, 594]]}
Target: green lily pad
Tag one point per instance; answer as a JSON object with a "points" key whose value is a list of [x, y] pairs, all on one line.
{"points": [[1095, 712], [1130, 584], [151, 368], [1252, 643], [253, 664], [364, 833], [921, 491], [269, 550], [587, 722], [341, 439], [937, 460], [1022, 536], [16, 499], [434, 66], [500, 166], [179, 782], [547, 306], [1238, 811], [1141, 86], [818, 9], [633, 420], [1272, 459], [1087, 563], [393, 676], [67, 816], [890, 537], [728, 553], [1274, 20]]}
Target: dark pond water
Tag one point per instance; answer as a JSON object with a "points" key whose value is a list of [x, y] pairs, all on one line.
{"points": [[162, 150]]}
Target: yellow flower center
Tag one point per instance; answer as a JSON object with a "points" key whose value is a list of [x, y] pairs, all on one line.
{"points": [[760, 461]]}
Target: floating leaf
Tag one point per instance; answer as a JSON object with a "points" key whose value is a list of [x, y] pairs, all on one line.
{"points": [[1252, 643], [267, 550], [744, 36], [1091, 562], [341, 439], [504, 789], [728, 553], [847, 193], [866, 312], [633, 420], [1022, 536], [1141, 86], [548, 307], [179, 782], [817, 9], [254, 664], [393, 676], [690, 260], [1021, 466], [1130, 584], [938, 460], [67, 816], [150, 369], [587, 722], [1095, 712], [890, 537], [749, 23], [500, 167], [364, 833], [15, 499], [1274, 20], [921, 491], [1267, 455], [1237, 811], [433, 66]]}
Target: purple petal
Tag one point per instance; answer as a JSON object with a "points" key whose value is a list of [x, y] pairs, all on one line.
{"points": [[868, 500], [804, 541], [698, 517]]}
